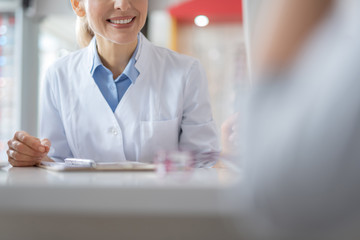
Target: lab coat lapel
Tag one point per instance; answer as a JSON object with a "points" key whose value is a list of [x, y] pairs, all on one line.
{"points": [[93, 121], [98, 116], [127, 106]]}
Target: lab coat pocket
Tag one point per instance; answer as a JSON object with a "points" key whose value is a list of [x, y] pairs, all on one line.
{"points": [[158, 135]]}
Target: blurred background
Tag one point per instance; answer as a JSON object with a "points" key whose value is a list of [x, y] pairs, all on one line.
{"points": [[35, 33]]}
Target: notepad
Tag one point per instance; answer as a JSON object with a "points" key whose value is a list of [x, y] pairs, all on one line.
{"points": [[76, 164], [4, 164]]}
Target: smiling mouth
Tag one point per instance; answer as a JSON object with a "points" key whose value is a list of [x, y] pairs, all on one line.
{"points": [[122, 21]]}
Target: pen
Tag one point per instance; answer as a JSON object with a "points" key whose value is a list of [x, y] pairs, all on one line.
{"points": [[80, 162]]}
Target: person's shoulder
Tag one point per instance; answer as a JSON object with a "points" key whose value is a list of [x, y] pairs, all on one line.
{"points": [[70, 61], [173, 55], [170, 56]]}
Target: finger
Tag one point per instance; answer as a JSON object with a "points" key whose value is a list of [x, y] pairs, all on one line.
{"points": [[21, 157], [23, 149], [234, 118], [236, 126], [16, 163], [46, 143], [230, 123], [234, 137], [30, 141], [226, 127]]}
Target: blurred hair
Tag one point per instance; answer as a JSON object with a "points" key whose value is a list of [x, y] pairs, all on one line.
{"points": [[84, 34]]}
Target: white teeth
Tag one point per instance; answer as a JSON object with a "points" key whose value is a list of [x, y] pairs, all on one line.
{"points": [[124, 21]]}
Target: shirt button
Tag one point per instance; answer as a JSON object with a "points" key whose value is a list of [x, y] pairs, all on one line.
{"points": [[112, 87], [115, 131]]}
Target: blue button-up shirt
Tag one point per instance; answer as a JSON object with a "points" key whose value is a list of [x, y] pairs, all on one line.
{"points": [[113, 90]]}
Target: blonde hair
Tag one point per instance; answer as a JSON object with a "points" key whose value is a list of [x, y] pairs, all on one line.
{"points": [[84, 34]]}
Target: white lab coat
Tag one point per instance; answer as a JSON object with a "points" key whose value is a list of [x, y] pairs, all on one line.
{"points": [[167, 108]]}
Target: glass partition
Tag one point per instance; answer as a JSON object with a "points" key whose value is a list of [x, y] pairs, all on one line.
{"points": [[8, 81]]}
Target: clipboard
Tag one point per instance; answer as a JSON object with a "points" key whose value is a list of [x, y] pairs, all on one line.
{"points": [[76, 164]]}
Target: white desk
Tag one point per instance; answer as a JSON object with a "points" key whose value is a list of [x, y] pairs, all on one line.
{"points": [[40, 204]]}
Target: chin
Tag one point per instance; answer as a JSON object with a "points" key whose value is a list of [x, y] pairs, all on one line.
{"points": [[117, 38], [124, 40]]}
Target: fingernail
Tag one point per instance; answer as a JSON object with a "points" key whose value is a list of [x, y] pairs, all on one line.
{"points": [[41, 149], [44, 143]]}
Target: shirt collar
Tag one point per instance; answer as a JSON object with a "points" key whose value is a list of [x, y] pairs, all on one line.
{"points": [[130, 70]]}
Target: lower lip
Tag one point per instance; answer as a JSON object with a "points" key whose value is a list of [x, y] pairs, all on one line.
{"points": [[120, 26]]}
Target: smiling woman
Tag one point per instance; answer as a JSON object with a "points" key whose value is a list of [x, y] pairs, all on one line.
{"points": [[136, 99]]}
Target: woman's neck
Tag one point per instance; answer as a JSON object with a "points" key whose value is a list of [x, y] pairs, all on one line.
{"points": [[114, 56]]}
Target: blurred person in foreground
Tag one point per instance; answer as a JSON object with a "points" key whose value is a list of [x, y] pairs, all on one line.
{"points": [[301, 124]]}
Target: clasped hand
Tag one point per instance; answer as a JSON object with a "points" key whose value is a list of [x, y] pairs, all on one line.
{"points": [[26, 150]]}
